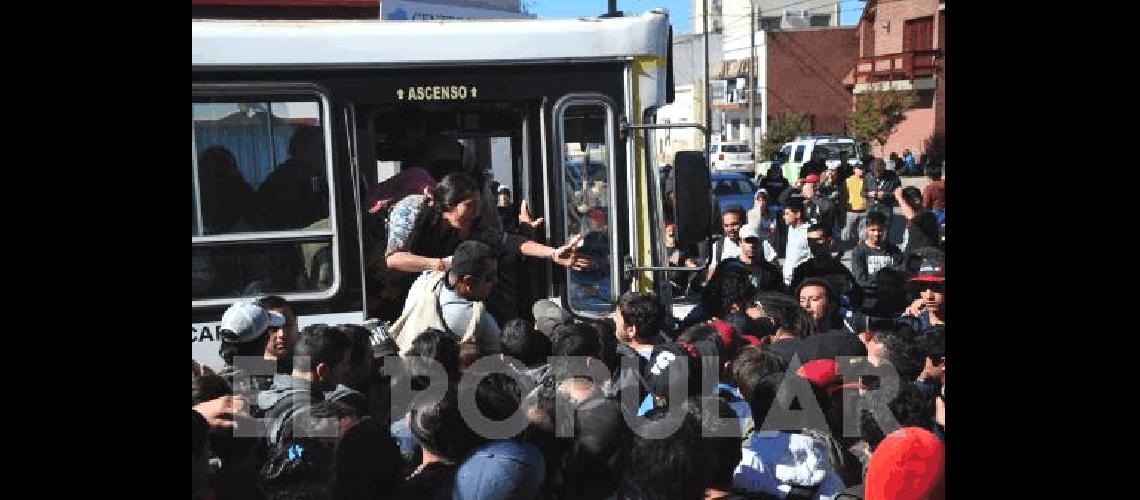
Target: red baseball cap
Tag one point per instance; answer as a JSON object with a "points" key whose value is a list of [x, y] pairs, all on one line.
{"points": [[811, 178], [932, 270]]}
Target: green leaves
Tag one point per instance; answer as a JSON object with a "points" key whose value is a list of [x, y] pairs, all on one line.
{"points": [[784, 128], [878, 113]]}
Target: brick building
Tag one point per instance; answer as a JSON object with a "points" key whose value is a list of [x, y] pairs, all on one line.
{"points": [[901, 46], [797, 70], [805, 72]]}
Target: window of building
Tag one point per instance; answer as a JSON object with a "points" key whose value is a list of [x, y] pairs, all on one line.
{"points": [[770, 23], [918, 34], [819, 20]]}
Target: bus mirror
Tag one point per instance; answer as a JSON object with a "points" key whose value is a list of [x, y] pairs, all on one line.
{"points": [[692, 207]]}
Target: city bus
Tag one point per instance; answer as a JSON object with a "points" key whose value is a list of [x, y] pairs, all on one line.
{"points": [[294, 122]]}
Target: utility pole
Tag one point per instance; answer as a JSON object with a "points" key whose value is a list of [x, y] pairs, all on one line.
{"points": [[752, 83], [708, 87]]}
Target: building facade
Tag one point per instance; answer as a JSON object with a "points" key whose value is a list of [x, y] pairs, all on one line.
{"points": [[902, 46]]}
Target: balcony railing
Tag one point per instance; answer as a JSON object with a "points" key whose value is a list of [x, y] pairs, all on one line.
{"points": [[732, 99], [900, 66]]}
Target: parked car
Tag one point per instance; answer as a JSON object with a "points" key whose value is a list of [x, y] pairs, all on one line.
{"points": [[730, 157], [731, 188], [805, 149]]}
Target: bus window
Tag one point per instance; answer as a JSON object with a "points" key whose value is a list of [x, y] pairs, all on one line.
{"points": [[261, 197], [586, 195]]}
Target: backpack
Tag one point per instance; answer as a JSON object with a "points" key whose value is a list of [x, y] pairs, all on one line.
{"points": [[425, 312]]}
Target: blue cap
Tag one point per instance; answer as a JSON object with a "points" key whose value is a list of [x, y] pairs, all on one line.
{"points": [[502, 469]]}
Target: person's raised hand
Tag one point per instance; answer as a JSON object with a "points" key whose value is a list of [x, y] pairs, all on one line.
{"points": [[915, 308]]}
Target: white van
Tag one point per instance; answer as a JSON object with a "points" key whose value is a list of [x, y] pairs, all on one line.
{"points": [[730, 157], [804, 149]]}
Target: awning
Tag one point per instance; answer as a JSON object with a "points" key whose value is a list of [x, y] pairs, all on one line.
{"points": [[733, 68]]}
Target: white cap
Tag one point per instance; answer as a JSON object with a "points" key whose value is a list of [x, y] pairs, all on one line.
{"points": [[248, 321], [750, 230]]}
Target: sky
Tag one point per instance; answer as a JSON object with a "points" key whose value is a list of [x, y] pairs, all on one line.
{"points": [[679, 10]]}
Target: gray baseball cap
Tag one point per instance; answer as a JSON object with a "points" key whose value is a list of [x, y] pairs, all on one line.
{"points": [[246, 321]]}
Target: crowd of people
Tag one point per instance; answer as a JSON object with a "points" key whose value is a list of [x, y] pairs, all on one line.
{"points": [[794, 377]]}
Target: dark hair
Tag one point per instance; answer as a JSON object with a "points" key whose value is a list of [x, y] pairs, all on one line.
{"points": [[322, 344], [819, 227], [438, 345], [469, 257], [764, 395], [666, 468], [273, 302], [605, 329], [890, 293], [573, 339], [453, 189], [751, 366], [576, 339], [498, 396], [699, 332], [909, 407], [304, 139], [438, 426], [522, 342], [934, 172], [932, 343], [360, 340], [729, 284], [912, 195], [902, 350], [256, 347], [832, 296], [643, 311], [719, 454], [877, 218], [786, 313], [795, 205], [736, 209]]}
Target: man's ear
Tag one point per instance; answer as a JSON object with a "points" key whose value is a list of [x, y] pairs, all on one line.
{"points": [[321, 371]]}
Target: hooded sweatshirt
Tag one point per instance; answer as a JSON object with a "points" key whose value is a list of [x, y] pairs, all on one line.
{"points": [[289, 394], [773, 461]]}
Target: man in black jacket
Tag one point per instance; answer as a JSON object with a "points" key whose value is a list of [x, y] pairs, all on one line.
{"points": [[824, 265], [879, 190], [817, 208]]}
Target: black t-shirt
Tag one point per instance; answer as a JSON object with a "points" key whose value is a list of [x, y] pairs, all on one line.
{"points": [[923, 231]]}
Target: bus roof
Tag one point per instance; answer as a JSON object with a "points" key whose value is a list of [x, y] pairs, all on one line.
{"points": [[228, 43]]}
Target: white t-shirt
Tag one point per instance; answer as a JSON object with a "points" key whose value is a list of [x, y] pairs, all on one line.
{"points": [[728, 249], [797, 251]]}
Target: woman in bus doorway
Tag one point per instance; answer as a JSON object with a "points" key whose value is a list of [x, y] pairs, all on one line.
{"points": [[424, 231]]}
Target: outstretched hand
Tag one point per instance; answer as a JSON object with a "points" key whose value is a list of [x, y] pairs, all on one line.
{"points": [[220, 412], [567, 256]]}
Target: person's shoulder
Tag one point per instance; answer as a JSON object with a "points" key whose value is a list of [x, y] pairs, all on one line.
{"points": [[411, 201]]}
